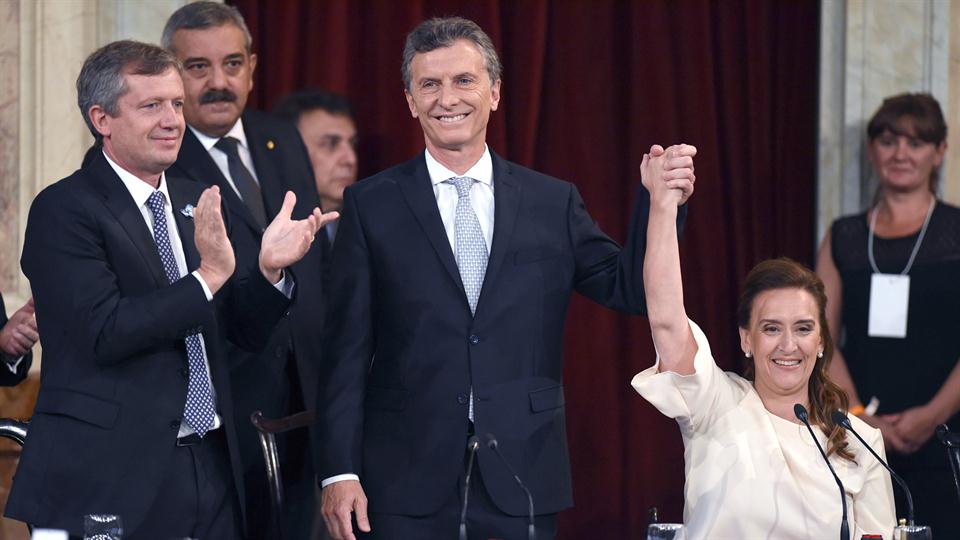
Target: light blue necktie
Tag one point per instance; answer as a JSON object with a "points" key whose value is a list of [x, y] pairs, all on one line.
{"points": [[198, 411], [470, 248]]}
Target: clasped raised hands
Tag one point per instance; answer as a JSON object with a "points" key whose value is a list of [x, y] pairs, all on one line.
{"points": [[668, 174]]}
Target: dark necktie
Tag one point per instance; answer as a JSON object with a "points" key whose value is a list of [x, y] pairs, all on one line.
{"points": [[246, 185], [198, 412], [326, 248]]}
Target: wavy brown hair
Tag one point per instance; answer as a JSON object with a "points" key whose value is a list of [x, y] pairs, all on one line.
{"points": [[823, 394]]}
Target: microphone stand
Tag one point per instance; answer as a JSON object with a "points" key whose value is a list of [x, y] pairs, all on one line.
{"points": [[473, 443], [801, 413], [531, 527], [841, 420]]}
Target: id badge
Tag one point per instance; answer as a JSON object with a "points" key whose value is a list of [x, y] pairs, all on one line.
{"points": [[889, 297]]}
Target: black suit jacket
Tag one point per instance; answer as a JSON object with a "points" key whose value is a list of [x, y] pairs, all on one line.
{"points": [[114, 378], [403, 350], [7, 377], [284, 379]]}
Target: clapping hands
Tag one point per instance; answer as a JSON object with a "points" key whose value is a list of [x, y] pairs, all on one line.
{"points": [[286, 240], [217, 260], [19, 335]]}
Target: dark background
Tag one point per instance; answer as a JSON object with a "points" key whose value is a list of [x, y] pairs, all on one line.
{"points": [[587, 87]]}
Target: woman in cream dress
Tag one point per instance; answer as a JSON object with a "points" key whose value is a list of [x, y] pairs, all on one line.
{"points": [[752, 469]]}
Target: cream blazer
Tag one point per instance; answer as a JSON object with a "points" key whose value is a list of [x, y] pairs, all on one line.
{"points": [[751, 475]]}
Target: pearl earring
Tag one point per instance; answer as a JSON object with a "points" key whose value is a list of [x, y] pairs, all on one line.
{"points": [[748, 354], [820, 354]]}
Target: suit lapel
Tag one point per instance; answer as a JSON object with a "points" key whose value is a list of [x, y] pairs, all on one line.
{"points": [[264, 153], [196, 164], [119, 202], [506, 204], [418, 192], [179, 199]]}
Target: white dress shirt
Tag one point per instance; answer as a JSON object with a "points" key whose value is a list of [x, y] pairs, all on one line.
{"points": [[753, 475], [481, 198], [481, 195], [141, 191], [220, 157]]}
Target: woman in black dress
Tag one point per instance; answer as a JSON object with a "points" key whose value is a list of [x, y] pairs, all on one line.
{"points": [[892, 276]]}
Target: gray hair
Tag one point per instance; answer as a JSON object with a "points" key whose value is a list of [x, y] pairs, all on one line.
{"points": [[437, 33], [101, 80], [200, 15]]}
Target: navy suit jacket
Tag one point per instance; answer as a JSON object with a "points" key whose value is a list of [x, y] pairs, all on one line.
{"points": [[114, 377], [283, 378], [403, 350], [7, 377]]}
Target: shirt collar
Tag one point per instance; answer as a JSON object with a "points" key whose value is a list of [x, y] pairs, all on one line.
{"points": [[481, 171], [236, 132], [139, 190]]}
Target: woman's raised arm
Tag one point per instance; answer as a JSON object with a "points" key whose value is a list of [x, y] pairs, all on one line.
{"points": [[661, 265]]}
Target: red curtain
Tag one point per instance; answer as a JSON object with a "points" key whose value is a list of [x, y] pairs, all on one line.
{"points": [[587, 87]]}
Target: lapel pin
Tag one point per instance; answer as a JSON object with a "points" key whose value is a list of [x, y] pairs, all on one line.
{"points": [[187, 211], [270, 145]]}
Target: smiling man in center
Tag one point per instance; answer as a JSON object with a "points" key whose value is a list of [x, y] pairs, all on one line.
{"points": [[449, 288]]}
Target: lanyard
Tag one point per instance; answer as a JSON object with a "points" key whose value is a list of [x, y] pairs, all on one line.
{"points": [[916, 247]]}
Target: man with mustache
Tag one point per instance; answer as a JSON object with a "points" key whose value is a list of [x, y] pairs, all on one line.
{"points": [[136, 288], [254, 158]]}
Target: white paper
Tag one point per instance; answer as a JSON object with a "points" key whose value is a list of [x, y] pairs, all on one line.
{"points": [[889, 298]]}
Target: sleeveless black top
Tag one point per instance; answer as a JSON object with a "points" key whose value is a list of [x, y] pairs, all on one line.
{"points": [[902, 372]]}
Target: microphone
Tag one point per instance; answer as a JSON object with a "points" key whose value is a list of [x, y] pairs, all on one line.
{"points": [[952, 442], [492, 444], [801, 413], [841, 420], [473, 443]]}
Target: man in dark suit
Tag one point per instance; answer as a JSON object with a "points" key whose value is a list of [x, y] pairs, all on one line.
{"points": [[18, 335], [254, 158], [329, 131], [327, 126], [451, 278], [133, 278]]}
